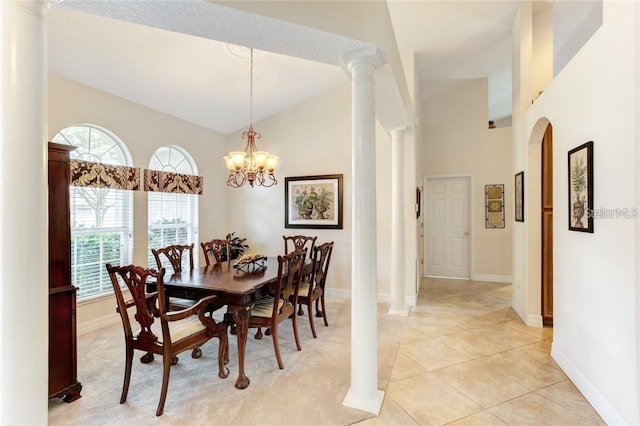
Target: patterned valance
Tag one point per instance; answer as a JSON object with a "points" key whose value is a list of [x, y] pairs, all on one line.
{"points": [[177, 183], [98, 175]]}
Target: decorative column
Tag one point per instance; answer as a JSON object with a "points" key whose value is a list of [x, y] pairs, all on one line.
{"points": [[363, 393], [23, 216], [397, 224]]}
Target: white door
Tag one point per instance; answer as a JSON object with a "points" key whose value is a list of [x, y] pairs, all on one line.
{"points": [[446, 219]]}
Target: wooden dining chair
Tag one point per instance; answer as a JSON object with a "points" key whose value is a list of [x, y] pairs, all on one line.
{"points": [[174, 254], [162, 332], [271, 310], [313, 290], [297, 242], [215, 248]]}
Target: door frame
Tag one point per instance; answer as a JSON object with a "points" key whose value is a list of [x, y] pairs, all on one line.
{"points": [[471, 201]]}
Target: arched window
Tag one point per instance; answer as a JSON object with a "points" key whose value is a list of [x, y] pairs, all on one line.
{"points": [[173, 218], [101, 218]]}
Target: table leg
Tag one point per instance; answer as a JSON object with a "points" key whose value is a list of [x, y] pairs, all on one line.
{"points": [[241, 318]]}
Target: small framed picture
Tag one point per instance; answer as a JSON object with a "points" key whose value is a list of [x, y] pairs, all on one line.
{"points": [[494, 206], [580, 163], [519, 197]]}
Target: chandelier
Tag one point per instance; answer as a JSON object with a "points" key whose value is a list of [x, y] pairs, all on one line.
{"points": [[251, 165]]}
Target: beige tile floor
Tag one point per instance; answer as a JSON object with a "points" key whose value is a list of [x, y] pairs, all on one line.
{"points": [[467, 359]]}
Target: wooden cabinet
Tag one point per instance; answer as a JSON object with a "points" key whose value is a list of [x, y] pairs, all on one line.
{"points": [[62, 294]]}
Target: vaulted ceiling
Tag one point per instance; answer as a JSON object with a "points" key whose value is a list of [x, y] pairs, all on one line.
{"points": [[167, 55]]}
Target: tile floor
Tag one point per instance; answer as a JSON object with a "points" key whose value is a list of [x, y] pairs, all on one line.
{"points": [[467, 359]]}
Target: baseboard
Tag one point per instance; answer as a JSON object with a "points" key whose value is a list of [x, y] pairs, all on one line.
{"points": [[97, 324], [492, 278], [591, 394], [534, 321], [382, 297]]}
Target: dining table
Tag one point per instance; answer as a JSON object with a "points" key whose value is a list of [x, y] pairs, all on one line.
{"points": [[237, 286]]}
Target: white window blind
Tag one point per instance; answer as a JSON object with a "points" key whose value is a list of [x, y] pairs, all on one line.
{"points": [[101, 218], [173, 218]]}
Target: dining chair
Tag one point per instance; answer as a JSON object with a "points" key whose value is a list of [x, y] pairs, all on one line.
{"points": [[313, 290], [215, 249], [174, 254], [162, 332], [271, 310], [297, 242]]}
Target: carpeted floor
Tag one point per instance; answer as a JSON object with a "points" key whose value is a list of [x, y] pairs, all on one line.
{"points": [[309, 390]]}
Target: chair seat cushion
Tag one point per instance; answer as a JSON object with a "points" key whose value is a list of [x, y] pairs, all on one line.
{"points": [[179, 329], [181, 303], [264, 307]]}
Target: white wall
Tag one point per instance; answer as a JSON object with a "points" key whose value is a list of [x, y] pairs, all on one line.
{"points": [[456, 141], [143, 131], [595, 281]]}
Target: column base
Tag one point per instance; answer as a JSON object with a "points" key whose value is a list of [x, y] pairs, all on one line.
{"points": [[372, 406], [402, 313]]}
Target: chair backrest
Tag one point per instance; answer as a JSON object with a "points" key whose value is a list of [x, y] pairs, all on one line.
{"points": [[216, 248], [288, 283], [136, 279], [174, 254], [321, 258], [299, 242]]}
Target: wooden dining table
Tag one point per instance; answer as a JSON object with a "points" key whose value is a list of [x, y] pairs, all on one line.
{"points": [[239, 288]]}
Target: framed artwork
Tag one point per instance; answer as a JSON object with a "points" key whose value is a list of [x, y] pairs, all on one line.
{"points": [[580, 163], [519, 197], [313, 202], [494, 206]]}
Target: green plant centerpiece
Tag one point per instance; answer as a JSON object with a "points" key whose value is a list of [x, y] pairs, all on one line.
{"points": [[578, 175], [238, 246]]}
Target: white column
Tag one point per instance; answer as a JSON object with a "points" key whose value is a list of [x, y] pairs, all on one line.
{"points": [[397, 224], [363, 393], [23, 214]]}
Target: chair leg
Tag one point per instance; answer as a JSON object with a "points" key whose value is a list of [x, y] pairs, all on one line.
{"points": [[276, 346], [166, 369], [223, 354], [324, 311], [294, 319], [146, 358], [258, 335], [300, 311], [313, 327], [196, 353], [127, 374]]}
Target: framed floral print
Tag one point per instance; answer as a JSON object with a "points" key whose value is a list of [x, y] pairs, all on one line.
{"points": [[313, 202]]}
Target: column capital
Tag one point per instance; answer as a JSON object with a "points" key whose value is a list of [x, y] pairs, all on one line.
{"points": [[398, 131], [369, 56]]}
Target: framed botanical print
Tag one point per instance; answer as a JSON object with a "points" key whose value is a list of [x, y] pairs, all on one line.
{"points": [[580, 166], [313, 202]]}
